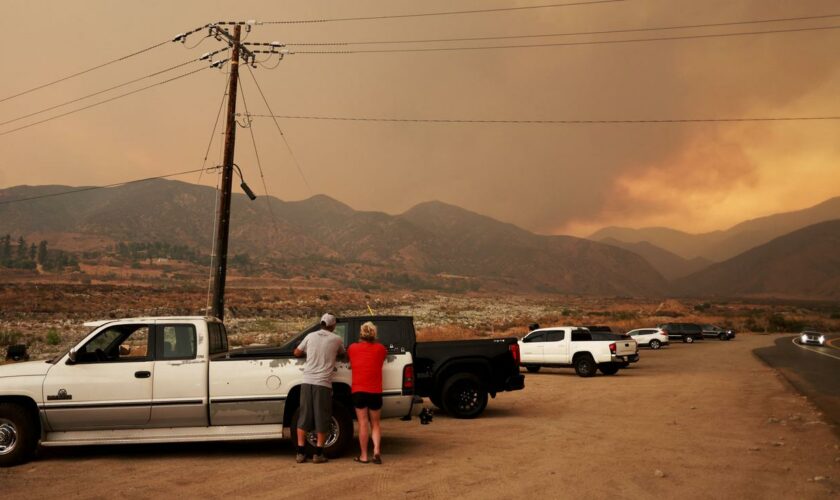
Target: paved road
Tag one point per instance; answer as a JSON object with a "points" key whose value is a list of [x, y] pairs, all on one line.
{"points": [[813, 370]]}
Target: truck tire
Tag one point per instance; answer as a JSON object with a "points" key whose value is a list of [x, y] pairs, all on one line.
{"points": [[585, 366], [18, 435], [338, 439], [532, 369], [655, 344], [436, 401], [608, 368], [688, 340], [464, 396]]}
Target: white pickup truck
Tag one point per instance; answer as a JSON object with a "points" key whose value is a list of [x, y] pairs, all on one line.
{"points": [[564, 346], [173, 379]]}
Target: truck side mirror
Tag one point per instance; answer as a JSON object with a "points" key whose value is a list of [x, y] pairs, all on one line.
{"points": [[72, 355]]}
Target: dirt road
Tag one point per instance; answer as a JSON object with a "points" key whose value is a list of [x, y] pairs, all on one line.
{"points": [[710, 416]]}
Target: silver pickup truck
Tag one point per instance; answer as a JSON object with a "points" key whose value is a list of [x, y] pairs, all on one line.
{"points": [[172, 379]]}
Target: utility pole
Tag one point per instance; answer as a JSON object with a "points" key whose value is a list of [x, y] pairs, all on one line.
{"points": [[220, 246]]}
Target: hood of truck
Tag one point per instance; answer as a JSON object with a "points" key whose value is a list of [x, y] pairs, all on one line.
{"points": [[28, 368]]}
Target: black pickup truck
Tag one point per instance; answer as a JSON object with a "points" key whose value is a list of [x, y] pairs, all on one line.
{"points": [[457, 375]]}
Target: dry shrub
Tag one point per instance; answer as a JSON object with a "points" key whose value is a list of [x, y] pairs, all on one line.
{"points": [[446, 332]]}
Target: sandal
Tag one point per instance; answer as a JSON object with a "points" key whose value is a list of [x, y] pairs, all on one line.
{"points": [[377, 459], [359, 460]]}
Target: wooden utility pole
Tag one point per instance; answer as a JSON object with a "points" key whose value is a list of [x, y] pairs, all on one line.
{"points": [[220, 246]]}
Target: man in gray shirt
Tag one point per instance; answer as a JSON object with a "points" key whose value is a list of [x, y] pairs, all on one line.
{"points": [[321, 349]]}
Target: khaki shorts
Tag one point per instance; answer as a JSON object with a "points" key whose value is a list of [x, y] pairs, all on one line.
{"points": [[315, 408]]}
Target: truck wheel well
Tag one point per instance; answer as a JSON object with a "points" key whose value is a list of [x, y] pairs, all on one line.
{"points": [[579, 354], [475, 368], [27, 403], [341, 393]]}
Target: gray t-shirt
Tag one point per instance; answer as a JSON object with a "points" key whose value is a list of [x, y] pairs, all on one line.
{"points": [[321, 349]]}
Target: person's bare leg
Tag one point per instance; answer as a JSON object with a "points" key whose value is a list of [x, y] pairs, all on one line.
{"points": [[364, 432], [301, 437], [322, 438], [376, 431]]}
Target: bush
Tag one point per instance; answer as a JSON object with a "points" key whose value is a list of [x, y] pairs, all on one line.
{"points": [[10, 338], [778, 323], [53, 337]]}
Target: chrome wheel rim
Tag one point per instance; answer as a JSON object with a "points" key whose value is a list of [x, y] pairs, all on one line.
{"points": [[8, 436], [332, 435]]}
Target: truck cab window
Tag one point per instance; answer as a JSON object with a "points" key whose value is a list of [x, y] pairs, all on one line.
{"points": [[535, 337], [218, 338], [392, 335], [117, 343], [176, 342], [556, 335]]}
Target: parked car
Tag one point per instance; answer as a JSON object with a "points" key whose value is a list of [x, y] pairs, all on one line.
{"points": [[687, 332], [573, 346], [650, 337], [712, 331], [456, 375], [173, 379], [812, 337]]}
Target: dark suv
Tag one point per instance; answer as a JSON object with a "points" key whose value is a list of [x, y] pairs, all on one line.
{"points": [[712, 331], [687, 332]]}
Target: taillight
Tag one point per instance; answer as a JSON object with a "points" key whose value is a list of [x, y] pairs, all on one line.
{"points": [[612, 348], [408, 379], [514, 351]]}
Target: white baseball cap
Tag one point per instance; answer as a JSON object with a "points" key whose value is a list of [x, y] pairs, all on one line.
{"points": [[328, 319]]}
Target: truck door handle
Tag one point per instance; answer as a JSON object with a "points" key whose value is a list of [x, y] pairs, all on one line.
{"points": [[142, 374]]}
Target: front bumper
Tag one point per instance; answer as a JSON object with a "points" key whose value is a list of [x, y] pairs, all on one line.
{"points": [[811, 341], [515, 382]]}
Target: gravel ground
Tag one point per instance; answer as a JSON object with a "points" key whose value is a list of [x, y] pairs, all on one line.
{"points": [[707, 420]]}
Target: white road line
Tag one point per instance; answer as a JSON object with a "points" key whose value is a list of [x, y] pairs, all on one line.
{"points": [[812, 349]]}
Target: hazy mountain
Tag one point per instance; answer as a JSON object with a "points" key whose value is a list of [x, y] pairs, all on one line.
{"points": [[430, 238], [802, 264], [721, 245], [669, 265]]}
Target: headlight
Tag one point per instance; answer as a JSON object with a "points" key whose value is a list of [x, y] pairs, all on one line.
{"points": [[822, 339], [804, 338]]}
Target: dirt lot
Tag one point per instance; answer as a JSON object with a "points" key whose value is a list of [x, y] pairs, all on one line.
{"points": [[710, 416]]}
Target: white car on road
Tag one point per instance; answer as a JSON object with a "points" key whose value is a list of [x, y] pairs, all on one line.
{"points": [[650, 337]]}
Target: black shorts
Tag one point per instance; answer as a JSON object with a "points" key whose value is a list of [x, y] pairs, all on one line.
{"points": [[369, 400]]}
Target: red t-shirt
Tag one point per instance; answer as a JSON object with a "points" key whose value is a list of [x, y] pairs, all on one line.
{"points": [[366, 359]]}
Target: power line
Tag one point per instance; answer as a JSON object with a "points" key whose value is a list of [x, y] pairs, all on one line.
{"points": [[447, 13], [150, 75], [259, 163], [103, 102], [280, 130], [91, 188], [574, 33], [561, 44], [548, 122], [79, 73], [213, 132]]}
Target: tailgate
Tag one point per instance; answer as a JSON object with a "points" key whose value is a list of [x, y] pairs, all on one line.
{"points": [[625, 347]]}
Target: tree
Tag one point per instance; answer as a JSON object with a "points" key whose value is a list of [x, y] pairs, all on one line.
{"points": [[42, 252], [33, 252], [5, 250], [21, 249]]}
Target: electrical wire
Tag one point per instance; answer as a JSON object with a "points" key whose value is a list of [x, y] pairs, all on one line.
{"points": [[259, 163], [150, 75], [562, 44], [79, 73], [447, 13], [280, 130], [103, 102], [549, 122], [215, 125], [574, 33], [91, 188]]}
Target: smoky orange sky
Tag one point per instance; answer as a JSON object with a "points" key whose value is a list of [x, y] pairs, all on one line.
{"points": [[548, 178]]}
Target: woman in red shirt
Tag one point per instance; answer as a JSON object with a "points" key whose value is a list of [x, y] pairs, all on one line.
{"points": [[366, 359]]}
